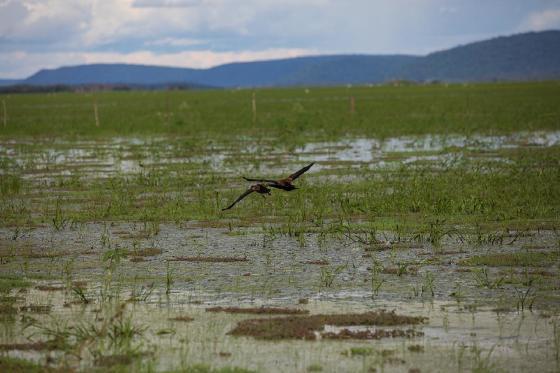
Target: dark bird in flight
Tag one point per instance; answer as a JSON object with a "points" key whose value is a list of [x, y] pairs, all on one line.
{"points": [[258, 188], [284, 184]]}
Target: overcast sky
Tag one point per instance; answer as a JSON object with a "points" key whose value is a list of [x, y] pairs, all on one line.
{"points": [[37, 34]]}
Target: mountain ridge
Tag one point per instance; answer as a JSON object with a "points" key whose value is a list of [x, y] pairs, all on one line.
{"points": [[527, 56]]}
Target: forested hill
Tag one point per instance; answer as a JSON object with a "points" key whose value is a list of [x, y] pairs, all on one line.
{"points": [[528, 56]]}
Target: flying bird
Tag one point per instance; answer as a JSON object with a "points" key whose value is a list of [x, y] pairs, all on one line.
{"points": [[284, 184], [258, 188]]}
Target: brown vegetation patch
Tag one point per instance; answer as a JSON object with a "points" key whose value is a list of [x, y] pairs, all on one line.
{"points": [[10, 299], [369, 334], [394, 361], [317, 262], [416, 348], [210, 224], [181, 318], [378, 247], [535, 247], [49, 288], [79, 284], [149, 251], [516, 259], [398, 271], [46, 254], [33, 346], [259, 310], [139, 235], [451, 252], [425, 253], [74, 303], [35, 308], [112, 360], [542, 273], [305, 327], [137, 259], [209, 259], [6, 309], [503, 309]]}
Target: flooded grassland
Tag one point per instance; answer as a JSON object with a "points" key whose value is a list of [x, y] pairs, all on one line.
{"points": [[416, 243]]}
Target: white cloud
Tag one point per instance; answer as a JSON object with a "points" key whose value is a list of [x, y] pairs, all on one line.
{"points": [[174, 42], [165, 3], [545, 20], [38, 21], [22, 64], [194, 59], [73, 24]]}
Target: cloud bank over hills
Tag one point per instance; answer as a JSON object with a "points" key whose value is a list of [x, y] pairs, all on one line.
{"points": [[36, 34]]}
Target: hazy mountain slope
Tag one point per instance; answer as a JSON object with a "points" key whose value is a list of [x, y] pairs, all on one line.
{"points": [[528, 56], [111, 74], [519, 57]]}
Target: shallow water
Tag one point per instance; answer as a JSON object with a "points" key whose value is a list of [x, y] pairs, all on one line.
{"points": [[452, 337], [277, 273], [475, 321], [132, 155]]}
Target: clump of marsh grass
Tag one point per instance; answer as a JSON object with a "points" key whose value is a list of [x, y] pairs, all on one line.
{"points": [[362, 236], [376, 281], [484, 280], [114, 330], [80, 294], [142, 294], [59, 221], [526, 297], [168, 279], [481, 362], [329, 274], [556, 340], [428, 285]]}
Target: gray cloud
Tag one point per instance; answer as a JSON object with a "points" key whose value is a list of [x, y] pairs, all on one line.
{"points": [[121, 29], [32, 25], [11, 15], [166, 3]]}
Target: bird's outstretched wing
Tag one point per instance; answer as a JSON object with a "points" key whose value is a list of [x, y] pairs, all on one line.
{"points": [[247, 192], [297, 174], [260, 180]]}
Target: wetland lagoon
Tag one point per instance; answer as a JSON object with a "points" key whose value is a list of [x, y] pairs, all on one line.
{"points": [[426, 237]]}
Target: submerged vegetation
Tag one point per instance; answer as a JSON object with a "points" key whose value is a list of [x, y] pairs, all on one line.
{"points": [[440, 202]]}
